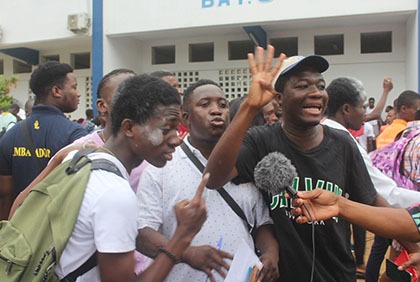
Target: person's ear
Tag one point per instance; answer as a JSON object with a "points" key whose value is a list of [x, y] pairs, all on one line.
{"points": [[185, 119], [345, 109], [127, 125], [101, 106], [56, 91], [279, 98]]}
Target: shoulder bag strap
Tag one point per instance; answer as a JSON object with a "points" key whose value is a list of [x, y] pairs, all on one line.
{"points": [[88, 265], [222, 191]]}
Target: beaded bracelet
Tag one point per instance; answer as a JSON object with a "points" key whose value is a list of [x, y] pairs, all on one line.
{"points": [[174, 258]]}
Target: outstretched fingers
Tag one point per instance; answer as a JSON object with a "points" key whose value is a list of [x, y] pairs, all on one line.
{"points": [[278, 64]]}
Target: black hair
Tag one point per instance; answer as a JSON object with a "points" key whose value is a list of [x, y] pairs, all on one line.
{"points": [[343, 90], [188, 92], [89, 113], [371, 99], [407, 98], [14, 107], [47, 75], [162, 73], [106, 77], [137, 98]]}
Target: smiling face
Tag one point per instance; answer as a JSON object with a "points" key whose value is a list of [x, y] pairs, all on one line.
{"points": [[155, 140], [207, 115], [304, 98]]}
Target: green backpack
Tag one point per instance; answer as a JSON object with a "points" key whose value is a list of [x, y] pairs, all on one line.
{"points": [[32, 242]]}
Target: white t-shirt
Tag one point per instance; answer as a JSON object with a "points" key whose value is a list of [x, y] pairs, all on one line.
{"points": [[106, 220], [367, 133], [373, 122], [178, 180], [396, 196]]}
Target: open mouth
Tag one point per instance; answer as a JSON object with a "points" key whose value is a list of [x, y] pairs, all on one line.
{"points": [[313, 109]]}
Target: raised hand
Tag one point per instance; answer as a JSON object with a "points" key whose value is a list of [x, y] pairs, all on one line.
{"points": [[387, 84], [261, 91], [191, 215]]}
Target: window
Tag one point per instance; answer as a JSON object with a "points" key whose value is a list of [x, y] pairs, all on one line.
{"points": [[50, 58], [80, 61], [376, 42], [286, 45], [21, 67], [1, 67], [186, 78], [238, 50], [329, 44], [163, 55], [201, 52]]}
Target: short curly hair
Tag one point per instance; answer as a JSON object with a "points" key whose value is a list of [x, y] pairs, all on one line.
{"points": [[47, 75], [137, 98]]}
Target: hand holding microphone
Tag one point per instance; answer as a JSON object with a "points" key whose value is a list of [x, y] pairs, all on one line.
{"points": [[275, 174]]}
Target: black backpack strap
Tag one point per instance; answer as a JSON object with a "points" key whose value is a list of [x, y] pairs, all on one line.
{"points": [[222, 191], [88, 265], [74, 165]]}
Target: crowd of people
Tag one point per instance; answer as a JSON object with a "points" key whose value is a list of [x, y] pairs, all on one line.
{"points": [[187, 197]]}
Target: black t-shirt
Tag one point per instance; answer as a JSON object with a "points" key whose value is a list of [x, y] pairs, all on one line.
{"points": [[334, 165]]}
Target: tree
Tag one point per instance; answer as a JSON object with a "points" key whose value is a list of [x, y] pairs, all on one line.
{"points": [[5, 85]]}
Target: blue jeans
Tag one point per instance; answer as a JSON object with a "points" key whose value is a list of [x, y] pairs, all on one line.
{"points": [[377, 254]]}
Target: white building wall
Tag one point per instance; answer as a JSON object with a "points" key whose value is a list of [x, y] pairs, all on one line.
{"points": [[29, 21], [146, 16]]}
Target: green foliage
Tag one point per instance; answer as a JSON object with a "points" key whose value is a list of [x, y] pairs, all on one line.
{"points": [[5, 85]]}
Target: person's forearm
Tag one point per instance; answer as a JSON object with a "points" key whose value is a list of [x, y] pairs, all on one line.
{"points": [[163, 264], [386, 222], [6, 195], [149, 241], [377, 111], [5, 205], [222, 160], [266, 241]]}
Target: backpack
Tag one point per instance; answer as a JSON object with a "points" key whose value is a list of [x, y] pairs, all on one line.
{"points": [[32, 242], [389, 159]]}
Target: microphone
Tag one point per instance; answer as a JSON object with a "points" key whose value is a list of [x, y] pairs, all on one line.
{"points": [[275, 174]]}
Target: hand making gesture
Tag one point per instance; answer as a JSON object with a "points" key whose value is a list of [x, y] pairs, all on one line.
{"points": [[261, 91]]}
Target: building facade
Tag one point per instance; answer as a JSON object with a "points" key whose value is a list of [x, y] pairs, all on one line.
{"points": [[209, 39]]}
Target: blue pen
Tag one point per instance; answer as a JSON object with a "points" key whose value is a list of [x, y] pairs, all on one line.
{"points": [[219, 246], [219, 243]]}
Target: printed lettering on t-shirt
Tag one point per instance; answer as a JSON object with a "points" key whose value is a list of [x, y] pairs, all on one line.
{"points": [[41, 153], [280, 200]]}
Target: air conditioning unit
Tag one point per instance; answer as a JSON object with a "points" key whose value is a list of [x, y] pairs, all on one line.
{"points": [[78, 23]]}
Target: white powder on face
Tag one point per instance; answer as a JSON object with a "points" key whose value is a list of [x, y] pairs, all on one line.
{"points": [[154, 136]]}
